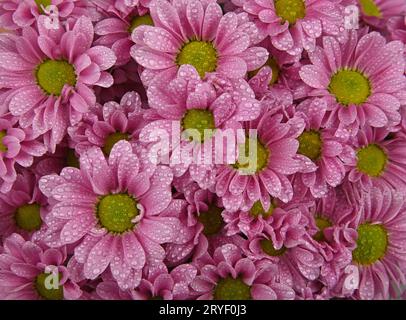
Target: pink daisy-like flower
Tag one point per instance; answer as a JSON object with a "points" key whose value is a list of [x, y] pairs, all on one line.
{"points": [[110, 210], [106, 125], [196, 33], [262, 165], [322, 155], [332, 236], [17, 147], [362, 81], [17, 14], [206, 110], [294, 25], [378, 12], [50, 75], [201, 216], [295, 265], [121, 8], [161, 285], [286, 217], [228, 275], [27, 271], [115, 32], [22, 209], [378, 158], [380, 254]]}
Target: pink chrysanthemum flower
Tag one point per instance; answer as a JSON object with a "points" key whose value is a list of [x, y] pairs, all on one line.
{"points": [[378, 12], [253, 176], [295, 266], [105, 125], [322, 155], [397, 28], [22, 209], [17, 147], [50, 76], [109, 209], [228, 275], [25, 270], [161, 285], [378, 158], [115, 31], [17, 14], [380, 254], [196, 33], [201, 215], [332, 236], [206, 110], [287, 217], [294, 25], [362, 81]]}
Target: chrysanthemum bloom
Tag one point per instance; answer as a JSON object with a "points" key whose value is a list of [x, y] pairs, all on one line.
{"points": [[50, 75], [160, 285], [105, 125], [378, 12], [289, 220], [295, 265], [278, 82], [116, 29], [31, 272], [196, 33], [22, 209], [228, 275], [262, 165], [362, 81], [378, 159], [332, 236], [322, 155], [200, 214], [109, 209], [294, 25], [208, 110], [380, 253], [17, 14], [17, 147]]}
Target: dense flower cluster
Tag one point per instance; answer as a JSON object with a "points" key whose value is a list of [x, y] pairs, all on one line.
{"points": [[111, 113]]}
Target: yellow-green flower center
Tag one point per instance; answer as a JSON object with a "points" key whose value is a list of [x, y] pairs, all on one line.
{"points": [[253, 157], [3, 148], [369, 8], [310, 144], [28, 217], [112, 139], [53, 75], [200, 54], [372, 244], [321, 223], [116, 212], [43, 3], [350, 87], [372, 160], [290, 10], [137, 21], [71, 159], [232, 289], [211, 220], [271, 62], [47, 289], [268, 247], [258, 210], [197, 123]]}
